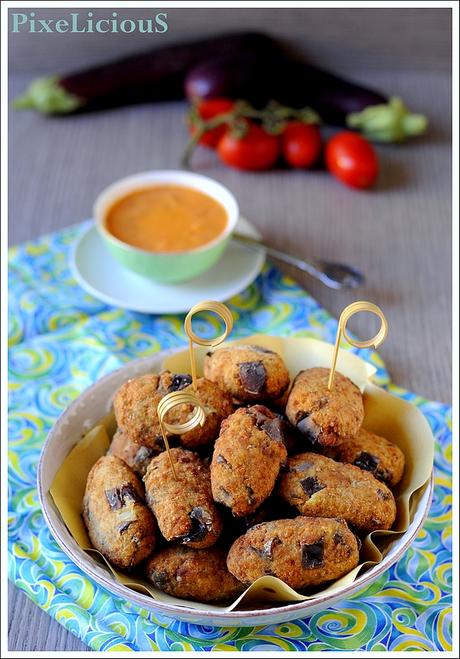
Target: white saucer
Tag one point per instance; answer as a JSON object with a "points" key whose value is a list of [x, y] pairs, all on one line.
{"points": [[100, 274]]}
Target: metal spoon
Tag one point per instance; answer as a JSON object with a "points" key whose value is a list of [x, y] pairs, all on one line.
{"points": [[334, 275]]}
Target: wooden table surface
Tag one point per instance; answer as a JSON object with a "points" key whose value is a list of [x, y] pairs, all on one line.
{"points": [[398, 234]]}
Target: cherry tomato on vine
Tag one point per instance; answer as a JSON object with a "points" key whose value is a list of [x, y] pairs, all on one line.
{"points": [[301, 144], [208, 109], [352, 159], [256, 150]]}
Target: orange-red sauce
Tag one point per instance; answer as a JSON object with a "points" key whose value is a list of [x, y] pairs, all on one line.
{"points": [[166, 218]]}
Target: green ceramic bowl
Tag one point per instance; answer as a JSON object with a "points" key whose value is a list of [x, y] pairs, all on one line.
{"points": [[166, 266]]}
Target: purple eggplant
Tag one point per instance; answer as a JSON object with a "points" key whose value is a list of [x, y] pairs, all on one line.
{"points": [[153, 76], [296, 84]]}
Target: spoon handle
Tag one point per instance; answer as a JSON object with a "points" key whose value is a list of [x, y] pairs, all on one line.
{"points": [[306, 266], [330, 274]]}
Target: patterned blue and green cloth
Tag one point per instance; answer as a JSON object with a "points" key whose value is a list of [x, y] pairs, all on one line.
{"points": [[62, 340]]}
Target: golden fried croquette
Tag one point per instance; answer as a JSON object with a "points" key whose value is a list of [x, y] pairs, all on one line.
{"points": [[184, 508], [325, 417], [119, 523], [217, 405], [135, 455], [249, 373], [320, 487], [305, 551], [247, 458], [196, 574], [373, 453], [136, 401]]}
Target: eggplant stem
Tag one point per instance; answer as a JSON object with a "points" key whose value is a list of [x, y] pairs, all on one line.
{"points": [[48, 96], [390, 122], [25, 102]]}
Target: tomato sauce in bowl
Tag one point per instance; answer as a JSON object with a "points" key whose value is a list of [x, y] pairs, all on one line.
{"points": [[166, 218]]}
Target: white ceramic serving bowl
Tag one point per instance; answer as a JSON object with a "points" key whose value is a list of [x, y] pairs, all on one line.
{"points": [[166, 267], [82, 415]]}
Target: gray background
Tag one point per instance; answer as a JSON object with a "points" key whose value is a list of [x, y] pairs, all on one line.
{"points": [[399, 233]]}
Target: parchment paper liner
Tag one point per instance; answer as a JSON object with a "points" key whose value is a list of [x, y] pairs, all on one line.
{"points": [[385, 414]]}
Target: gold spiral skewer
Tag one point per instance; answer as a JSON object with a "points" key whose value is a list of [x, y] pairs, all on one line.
{"points": [[345, 316], [220, 310], [169, 402]]}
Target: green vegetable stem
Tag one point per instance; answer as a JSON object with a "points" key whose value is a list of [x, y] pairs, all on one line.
{"points": [[388, 122], [273, 119]]}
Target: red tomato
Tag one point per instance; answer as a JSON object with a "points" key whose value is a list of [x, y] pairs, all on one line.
{"points": [[301, 144], [256, 150], [352, 159], [208, 109]]}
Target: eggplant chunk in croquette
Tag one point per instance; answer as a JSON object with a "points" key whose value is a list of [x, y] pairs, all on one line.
{"points": [[325, 417], [320, 487], [196, 574], [183, 508], [303, 552], [119, 523], [372, 453], [136, 401], [247, 458], [249, 373]]}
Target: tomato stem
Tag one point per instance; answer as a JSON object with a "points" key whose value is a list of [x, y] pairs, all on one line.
{"points": [[273, 118]]}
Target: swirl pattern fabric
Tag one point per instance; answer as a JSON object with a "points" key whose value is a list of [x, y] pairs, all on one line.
{"points": [[61, 340]]}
